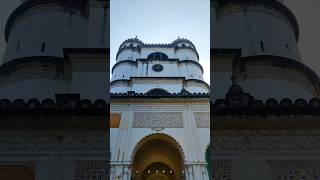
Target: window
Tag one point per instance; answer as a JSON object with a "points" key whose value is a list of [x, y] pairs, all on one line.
{"points": [[287, 47], [157, 56], [262, 46], [18, 46], [43, 47], [158, 91]]}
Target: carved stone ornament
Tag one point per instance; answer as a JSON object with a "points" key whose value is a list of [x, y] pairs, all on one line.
{"points": [[157, 120], [158, 129]]}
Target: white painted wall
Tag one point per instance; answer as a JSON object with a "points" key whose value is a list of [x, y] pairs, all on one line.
{"points": [[139, 67], [192, 140]]}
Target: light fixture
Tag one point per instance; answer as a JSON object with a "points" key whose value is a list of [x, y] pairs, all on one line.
{"points": [[137, 171], [157, 171], [148, 171], [163, 171]]}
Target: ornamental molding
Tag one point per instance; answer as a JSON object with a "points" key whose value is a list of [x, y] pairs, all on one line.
{"points": [[48, 142], [32, 73], [295, 169], [157, 120], [266, 140], [89, 67], [160, 107], [221, 68], [276, 73], [157, 129], [202, 119], [221, 170], [87, 170]]}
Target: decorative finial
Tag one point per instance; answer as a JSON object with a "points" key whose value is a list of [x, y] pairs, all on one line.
{"points": [[136, 37], [178, 37]]}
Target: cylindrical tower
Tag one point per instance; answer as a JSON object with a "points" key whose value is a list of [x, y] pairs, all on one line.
{"points": [[256, 44], [44, 28], [37, 32], [171, 67], [257, 27]]}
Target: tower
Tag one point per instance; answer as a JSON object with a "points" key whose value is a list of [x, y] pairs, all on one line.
{"points": [[159, 112], [262, 37], [261, 94], [168, 67], [42, 39]]}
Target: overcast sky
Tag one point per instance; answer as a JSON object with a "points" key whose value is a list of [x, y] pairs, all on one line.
{"points": [[155, 21]]}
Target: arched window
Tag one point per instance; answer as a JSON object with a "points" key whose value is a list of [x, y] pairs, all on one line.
{"points": [[158, 91], [158, 56]]}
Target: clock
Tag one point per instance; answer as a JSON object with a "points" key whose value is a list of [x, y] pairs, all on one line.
{"points": [[157, 67]]}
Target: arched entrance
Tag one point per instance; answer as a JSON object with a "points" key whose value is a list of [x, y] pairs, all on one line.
{"points": [[158, 157]]}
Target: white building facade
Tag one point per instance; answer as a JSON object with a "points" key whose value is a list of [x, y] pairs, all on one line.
{"points": [[159, 112]]}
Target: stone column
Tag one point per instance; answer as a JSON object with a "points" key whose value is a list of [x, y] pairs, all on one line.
{"points": [[111, 172], [204, 172], [190, 172], [126, 172]]}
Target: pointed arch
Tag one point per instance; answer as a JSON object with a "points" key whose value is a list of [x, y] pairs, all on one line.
{"points": [[156, 136]]}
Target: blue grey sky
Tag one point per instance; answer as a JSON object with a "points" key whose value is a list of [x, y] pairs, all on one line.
{"points": [[162, 21]]}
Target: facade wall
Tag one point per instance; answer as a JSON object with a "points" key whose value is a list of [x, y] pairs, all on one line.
{"points": [[190, 129]]}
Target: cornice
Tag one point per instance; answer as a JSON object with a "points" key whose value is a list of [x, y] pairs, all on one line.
{"points": [[135, 62], [63, 104], [154, 77]]}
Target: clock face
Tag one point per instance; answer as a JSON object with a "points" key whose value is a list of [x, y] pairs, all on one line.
{"points": [[157, 67]]}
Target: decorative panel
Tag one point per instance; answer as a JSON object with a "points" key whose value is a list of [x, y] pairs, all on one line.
{"points": [[157, 119], [221, 170], [295, 170], [202, 119], [96, 170]]}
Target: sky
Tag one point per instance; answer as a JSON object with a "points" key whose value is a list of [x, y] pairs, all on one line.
{"points": [[155, 21]]}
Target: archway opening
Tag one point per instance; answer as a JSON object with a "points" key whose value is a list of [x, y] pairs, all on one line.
{"points": [[158, 157]]}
